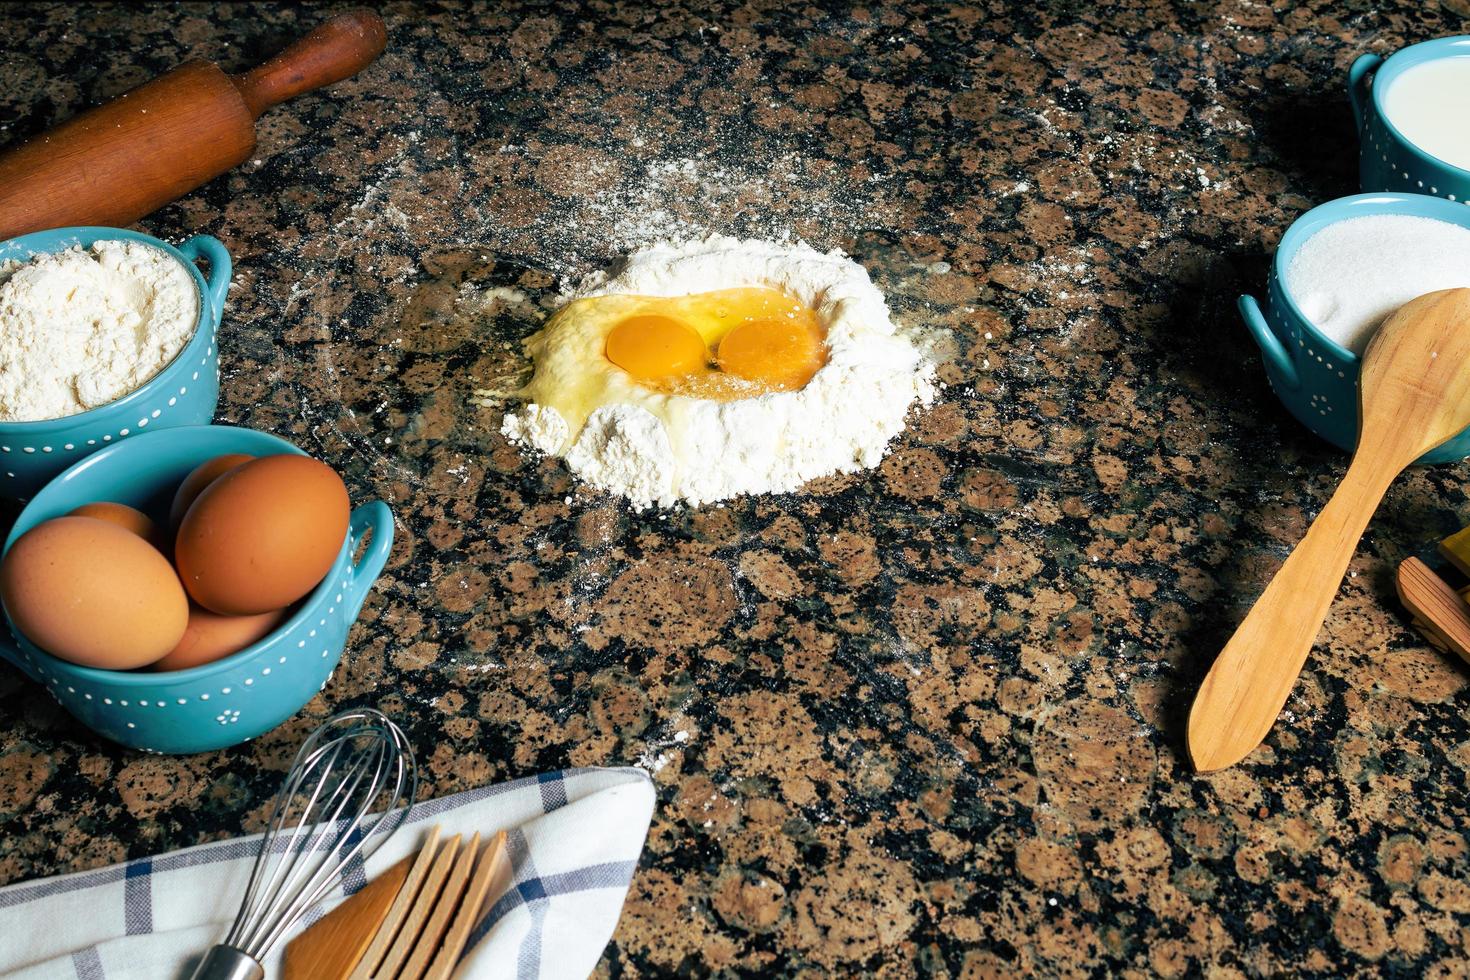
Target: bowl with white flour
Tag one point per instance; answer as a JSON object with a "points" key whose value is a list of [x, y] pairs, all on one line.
{"points": [[1341, 269], [104, 333], [1411, 112]]}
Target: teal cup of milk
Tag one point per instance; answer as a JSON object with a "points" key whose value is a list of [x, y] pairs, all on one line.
{"points": [[1413, 116], [1339, 271]]}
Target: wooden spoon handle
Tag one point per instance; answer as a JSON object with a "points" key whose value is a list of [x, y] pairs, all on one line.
{"points": [[337, 49], [1253, 676]]}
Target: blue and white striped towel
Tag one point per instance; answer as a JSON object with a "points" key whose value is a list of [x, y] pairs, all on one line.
{"points": [[574, 840]]}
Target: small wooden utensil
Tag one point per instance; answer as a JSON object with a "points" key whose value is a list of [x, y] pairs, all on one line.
{"points": [[1439, 611], [406, 930], [410, 923], [333, 946], [431, 935], [492, 877], [1436, 595], [383, 931], [126, 158], [1414, 393]]}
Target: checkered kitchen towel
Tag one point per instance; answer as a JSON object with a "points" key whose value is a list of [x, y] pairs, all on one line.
{"points": [[574, 839]]}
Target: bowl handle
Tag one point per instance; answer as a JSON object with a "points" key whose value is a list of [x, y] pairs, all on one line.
{"points": [[1271, 348], [377, 518], [1358, 85], [212, 250]]}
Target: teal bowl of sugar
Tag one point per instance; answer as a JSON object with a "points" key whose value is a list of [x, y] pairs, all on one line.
{"points": [[237, 697], [1338, 272], [183, 392], [1412, 113]]}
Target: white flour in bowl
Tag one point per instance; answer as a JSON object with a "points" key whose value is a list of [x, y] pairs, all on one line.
{"points": [[1347, 278], [83, 327]]}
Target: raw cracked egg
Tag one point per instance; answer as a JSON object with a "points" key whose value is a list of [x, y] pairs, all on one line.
{"points": [[714, 367], [93, 592], [731, 343], [722, 345]]}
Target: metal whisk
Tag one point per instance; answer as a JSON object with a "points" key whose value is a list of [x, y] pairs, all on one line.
{"points": [[356, 762]]}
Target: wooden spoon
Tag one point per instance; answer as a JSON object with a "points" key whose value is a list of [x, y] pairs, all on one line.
{"points": [[1414, 394]]}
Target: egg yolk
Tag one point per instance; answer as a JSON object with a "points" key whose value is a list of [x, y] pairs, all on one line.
{"points": [[763, 340], [780, 354], [652, 346]]}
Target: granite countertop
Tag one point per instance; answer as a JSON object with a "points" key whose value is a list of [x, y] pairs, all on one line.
{"points": [[924, 719]]}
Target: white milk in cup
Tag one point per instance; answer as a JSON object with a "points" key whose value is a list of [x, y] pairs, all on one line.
{"points": [[1429, 104]]}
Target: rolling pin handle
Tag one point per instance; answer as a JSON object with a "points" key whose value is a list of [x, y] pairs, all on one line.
{"points": [[339, 48]]}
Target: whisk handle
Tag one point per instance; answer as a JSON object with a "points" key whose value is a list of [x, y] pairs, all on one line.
{"points": [[227, 963]]}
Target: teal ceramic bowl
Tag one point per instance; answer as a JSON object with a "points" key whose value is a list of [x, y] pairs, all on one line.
{"points": [[1387, 161], [1315, 378], [185, 392], [240, 696]]}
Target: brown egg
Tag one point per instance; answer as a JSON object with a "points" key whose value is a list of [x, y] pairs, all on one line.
{"points": [[200, 477], [210, 636], [94, 593], [262, 535], [123, 516]]}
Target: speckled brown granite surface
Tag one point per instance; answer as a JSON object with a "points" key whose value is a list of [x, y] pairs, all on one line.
{"points": [[923, 720]]}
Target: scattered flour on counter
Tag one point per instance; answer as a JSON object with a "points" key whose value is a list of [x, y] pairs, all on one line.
{"points": [[679, 187], [1347, 278], [80, 328], [660, 448], [538, 427]]}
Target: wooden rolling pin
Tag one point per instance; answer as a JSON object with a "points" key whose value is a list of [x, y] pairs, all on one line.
{"points": [[126, 158]]}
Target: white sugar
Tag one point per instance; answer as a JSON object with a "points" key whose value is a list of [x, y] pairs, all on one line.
{"points": [[1348, 277]]}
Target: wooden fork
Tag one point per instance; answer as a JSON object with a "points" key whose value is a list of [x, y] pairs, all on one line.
{"points": [[412, 922]]}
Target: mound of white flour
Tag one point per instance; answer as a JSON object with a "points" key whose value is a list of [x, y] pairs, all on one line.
{"points": [[81, 328], [673, 448]]}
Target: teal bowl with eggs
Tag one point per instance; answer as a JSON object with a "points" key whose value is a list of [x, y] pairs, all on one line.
{"points": [[234, 698], [185, 392], [1315, 377], [1387, 159]]}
